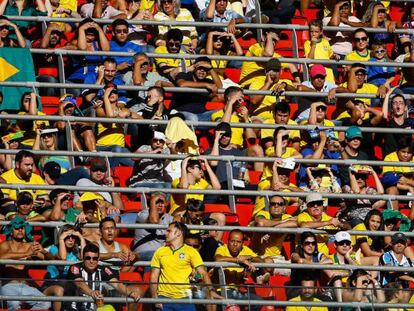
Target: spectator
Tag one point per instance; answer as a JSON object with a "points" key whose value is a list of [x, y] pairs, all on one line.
{"points": [[236, 252], [69, 247], [111, 136], [105, 75], [62, 9], [84, 284], [396, 258], [82, 132], [306, 253], [23, 173], [379, 75], [24, 204], [341, 42], [113, 251], [193, 107], [19, 245], [363, 288], [263, 105], [270, 244], [46, 139], [318, 47], [307, 293], [10, 142], [236, 111], [5, 39], [255, 71], [380, 19], [166, 281], [24, 8], [315, 218], [396, 118], [89, 37], [361, 52], [210, 241], [192, 178], [120, 43], [146, 242], [170, 67], [405, 39], [151, 172], [172, 10], [101, 9], [99, 176]]}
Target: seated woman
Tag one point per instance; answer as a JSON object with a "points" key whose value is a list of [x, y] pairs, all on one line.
{"points": [[362, 287], [398, 180], [358, 209], [170, 10], [25, 204], [5, 41], [69, 247], [380, 19], [46, 139]]}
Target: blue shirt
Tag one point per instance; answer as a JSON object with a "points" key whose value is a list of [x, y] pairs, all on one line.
{"points": [[91, 79], [227, 17], [127, 47], [377, 75], [60, 271]]}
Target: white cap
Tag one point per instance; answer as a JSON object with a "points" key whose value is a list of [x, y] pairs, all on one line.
{"points": [[314, 197], [342, 236], [159, 135]]}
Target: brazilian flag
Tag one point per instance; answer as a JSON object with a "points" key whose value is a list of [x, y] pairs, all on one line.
{"points": [[16, 65]]}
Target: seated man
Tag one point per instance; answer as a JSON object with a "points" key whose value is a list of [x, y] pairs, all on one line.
{"points": [[236, 252], [88, 278], [20, 246], [192, 106], [307, 293], [315, 218]]}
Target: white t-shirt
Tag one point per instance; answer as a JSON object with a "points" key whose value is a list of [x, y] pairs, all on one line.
{"points": [[342, 48], [109, 12]]}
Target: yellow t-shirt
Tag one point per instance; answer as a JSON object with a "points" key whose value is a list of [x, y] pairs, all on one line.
{"points": [[355, 56], [393, 157], [265, 109], [270, 152], [260, 204], [110, 134], [323, 50], [367, 88], [11, 178], [252, 70], [276, 239], [224, 251], [321, 238], [175, 267], [179, 200], [300, 308], [293, 134], [168, 61], [236, 132]]}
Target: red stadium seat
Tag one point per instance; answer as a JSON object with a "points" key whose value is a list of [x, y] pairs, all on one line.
{"points": [[122, 173], [245, 212], [255, 177], [37, 275], [233, 74]]}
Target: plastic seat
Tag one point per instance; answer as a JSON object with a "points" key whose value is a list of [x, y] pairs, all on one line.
{"points": [[245, 212], [37, 275], [233, 74]]}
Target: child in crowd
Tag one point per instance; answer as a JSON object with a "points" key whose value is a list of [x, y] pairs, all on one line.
{"points": [[380, 75]]}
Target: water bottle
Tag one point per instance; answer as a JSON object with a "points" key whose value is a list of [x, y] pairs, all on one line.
{"points": [[242, 170]]}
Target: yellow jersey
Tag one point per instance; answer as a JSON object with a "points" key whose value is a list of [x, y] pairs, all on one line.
{"points": [[293, 134], [323, 50], [110, 134], [300, 308], [11, 178], [224, 251], [236, 132], [171, 62], [179, 200], [393, 157], [176, 267], [356, 57]]}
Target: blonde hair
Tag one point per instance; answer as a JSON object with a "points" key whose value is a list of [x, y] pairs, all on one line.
{"points": [[176, 3]]}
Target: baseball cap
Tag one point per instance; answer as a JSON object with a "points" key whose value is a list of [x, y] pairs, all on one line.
{"points": [[317, 70], [342, 236], [353, 132], [98, 163], [202, 59], [90, 196], [398, 237], [53, 169], [224, 126], [313, 197], [159, 135], [68, 98], [273, 64]]}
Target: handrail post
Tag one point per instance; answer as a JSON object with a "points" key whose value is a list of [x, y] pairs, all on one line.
{"points": [[61, 73], [69, 141], [258, 20], [232, 198]]}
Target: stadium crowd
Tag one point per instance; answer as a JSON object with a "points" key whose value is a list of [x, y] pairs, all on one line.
{"points": [[177, 254]]}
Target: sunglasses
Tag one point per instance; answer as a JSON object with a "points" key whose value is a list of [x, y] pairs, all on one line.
{"points": [[156, 140], [382, 11], [56, 33], [321, 108], [144, 64], [271, 204], [322, 77], [360, 176], [121, 30], [167, 1], [47, 135], [70, 237], [98, 169], [285, 137], [360, 73], [4, 27], [205, 69], [315, 204], [362, 39], [307, 243], [380, 51], [174, 44], [342, 243], [226, 135], [398, 242], [90, 258]]}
